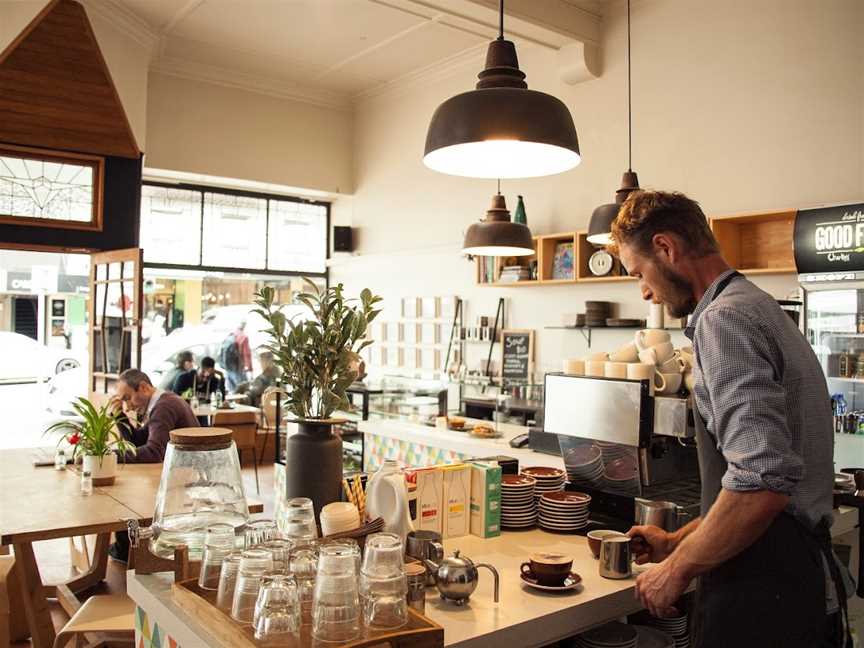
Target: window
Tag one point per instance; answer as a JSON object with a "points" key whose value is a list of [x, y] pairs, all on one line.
{"points": [[235, 231], [297, 236], [171, 225], [39, 187]]}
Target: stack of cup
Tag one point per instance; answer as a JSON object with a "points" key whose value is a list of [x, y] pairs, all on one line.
{"points": [[656, 349], [218, 543], [254, 563], [298, 520], [336, 602], [338, 517], [383, 583], [303, 565], [277, 610]]}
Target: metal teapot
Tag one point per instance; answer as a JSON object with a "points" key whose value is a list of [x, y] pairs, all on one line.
{"points": [[456, 577]]}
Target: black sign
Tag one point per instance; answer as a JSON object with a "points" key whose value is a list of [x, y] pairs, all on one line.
{"points": [[830, 239], [516, 354]]}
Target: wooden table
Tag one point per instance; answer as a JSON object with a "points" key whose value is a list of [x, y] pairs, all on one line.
{"points": [[207, 411], [40, 503]]}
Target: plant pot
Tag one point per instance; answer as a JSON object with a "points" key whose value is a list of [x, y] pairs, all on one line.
{"points": [[102, 469], [313, 463]]}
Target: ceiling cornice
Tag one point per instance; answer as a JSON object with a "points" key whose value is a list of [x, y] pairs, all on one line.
{"points": [[124, 20], [228, 78]]}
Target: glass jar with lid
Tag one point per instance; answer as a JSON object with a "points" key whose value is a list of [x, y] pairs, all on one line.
{"points": [[201, 485]]}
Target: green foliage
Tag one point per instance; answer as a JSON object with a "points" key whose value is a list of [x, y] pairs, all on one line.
{"points": [[318, 356], [96, 433]]}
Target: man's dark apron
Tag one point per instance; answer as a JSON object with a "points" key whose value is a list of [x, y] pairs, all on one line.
{"points": [[772, 594]]}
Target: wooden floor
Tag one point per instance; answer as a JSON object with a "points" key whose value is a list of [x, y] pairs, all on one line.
{"points": [[53, 555]]}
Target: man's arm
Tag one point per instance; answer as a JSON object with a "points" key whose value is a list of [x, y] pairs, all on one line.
{"points": [[158, 427], [652, 544]]}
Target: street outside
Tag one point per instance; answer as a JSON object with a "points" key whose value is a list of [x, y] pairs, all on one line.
{"points": [[23, 416]]}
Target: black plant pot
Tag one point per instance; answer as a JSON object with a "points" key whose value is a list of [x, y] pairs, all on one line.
{"points": [[313, 463]]}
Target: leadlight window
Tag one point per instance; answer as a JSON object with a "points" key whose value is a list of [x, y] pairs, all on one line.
{"points": [[39, 187]]}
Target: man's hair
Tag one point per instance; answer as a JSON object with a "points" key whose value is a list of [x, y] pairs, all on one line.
{"points": [[183, 357], [646, 213], [135, 378], [207, 362]]}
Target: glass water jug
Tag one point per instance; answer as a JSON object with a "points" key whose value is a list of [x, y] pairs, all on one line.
{"points": [[201, 485]]}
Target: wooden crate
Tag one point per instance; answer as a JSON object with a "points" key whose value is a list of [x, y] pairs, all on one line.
{"points": [[420, 632]]}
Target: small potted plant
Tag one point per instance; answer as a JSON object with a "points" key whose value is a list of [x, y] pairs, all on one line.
{"points": [[95, 438], [319, 358]]}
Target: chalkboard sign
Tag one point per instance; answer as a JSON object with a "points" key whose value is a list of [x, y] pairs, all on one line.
{"points": [[830, 239], [517, 355]]}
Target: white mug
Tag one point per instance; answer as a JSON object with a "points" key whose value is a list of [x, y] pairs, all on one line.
{"points": [[657, 354], [671, 383], [640, 371], [595, 368], [616, 369], [600, 355], [650, 337], [655, 316], [627, 353], [686, 356], [574, 367], [673, 365]]}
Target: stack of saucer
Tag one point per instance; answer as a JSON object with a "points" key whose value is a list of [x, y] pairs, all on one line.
{"points": [[612, 451], [610, 635], [584, 464], [518, 508], [564, 511], [548, 479], [676, 627], [622, 474], [597, 312]]}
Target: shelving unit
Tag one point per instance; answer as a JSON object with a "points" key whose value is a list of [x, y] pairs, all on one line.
{"points": [[497, 264], [583, 273], [757, 242], [587, 330]]}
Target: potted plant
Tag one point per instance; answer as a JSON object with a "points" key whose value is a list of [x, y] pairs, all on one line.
{"points": [[95, 438], [319, 359]]}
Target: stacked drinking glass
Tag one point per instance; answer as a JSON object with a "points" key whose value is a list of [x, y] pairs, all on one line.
{"points": [[336, 602], [383, 584]]}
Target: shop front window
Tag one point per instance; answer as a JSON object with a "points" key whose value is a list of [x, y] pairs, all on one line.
{"points": [[171, 225], [297, 236], [235, 231]]}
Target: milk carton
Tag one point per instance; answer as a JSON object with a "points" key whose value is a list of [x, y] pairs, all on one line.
{"points": [[485, 499], [457, 500], [429, 494]]}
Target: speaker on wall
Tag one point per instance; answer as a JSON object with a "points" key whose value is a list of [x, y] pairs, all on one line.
{"points": [[343, 240]]}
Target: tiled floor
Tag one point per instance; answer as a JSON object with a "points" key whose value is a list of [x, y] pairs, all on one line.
{"points": [[53, 555]]}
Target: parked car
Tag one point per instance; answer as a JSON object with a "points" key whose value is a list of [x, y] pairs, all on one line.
{"points": [[26, 360]]}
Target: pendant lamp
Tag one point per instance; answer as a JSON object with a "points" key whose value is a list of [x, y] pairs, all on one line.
{"points": [[502, 129], [497, 235], [600, 225]]}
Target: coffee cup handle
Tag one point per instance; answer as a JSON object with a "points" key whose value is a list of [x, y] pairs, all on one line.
{"points": [[525, 568], [661, 385], [640, 344]]}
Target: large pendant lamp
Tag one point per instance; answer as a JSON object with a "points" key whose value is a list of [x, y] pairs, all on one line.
{"points": [[502, 129], [497, 235], [600, 225]]}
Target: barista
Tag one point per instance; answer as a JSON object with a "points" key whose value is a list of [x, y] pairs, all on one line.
{"points": [[761, 549]]}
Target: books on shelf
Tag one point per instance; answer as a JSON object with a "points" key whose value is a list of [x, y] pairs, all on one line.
{"points": [[510, 274]]}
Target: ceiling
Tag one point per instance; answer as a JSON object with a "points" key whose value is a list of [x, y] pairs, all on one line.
{"points": [[336, 51]]}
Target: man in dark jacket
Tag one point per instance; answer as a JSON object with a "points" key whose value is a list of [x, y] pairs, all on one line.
{"points": [[201, 383]]}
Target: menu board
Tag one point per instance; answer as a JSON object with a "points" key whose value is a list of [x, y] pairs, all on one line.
{"points": [[517, 355], [830, 239]]}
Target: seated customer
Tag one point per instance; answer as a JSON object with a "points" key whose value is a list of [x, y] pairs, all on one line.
{"points": [[185, 362], [158, 411], [201, 383], [267, 378]]}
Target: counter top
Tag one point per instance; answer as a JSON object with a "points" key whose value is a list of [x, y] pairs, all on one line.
{"points": [[462, 442]]}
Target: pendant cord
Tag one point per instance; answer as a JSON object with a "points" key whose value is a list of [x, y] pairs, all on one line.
{"points": [[629, 101], [499, 186], [500, 19]]}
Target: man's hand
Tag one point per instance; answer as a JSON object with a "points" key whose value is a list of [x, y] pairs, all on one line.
{"points": [[660, 587], [651, 544]]}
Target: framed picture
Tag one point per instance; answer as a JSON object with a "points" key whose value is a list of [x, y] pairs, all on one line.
{"points": [[562, 262], [58, 308]]}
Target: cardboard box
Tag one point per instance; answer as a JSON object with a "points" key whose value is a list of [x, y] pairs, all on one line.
{"points": [[485, 499], [429, 494], [457, 500]]}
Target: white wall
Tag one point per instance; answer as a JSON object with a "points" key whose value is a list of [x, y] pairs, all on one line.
{"points": [[199, 127], [741, 105]]}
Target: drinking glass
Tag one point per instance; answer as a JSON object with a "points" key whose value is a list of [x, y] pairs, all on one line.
{"points": [[384, 601], [303, 565], [383, 556], [254, 563], [277, 610], [336, 601], [218, 543], [347, 544], [259, 531], [228, 581], [300, 527], [280, 550]]}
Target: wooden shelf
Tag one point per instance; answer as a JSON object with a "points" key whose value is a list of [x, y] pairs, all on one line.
{"points": [[593, 279], [498, 264], [757, 242], [548, 247], [585, 250], [509, 284]]}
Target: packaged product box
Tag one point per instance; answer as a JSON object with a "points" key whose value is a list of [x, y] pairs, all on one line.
{"points": [[429, 507], [485, 499], [457, 500]]}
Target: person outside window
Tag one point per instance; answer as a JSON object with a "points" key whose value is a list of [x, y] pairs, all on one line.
{"points": [[185, 362], [201, 383], [267, 378], [235, 357]]}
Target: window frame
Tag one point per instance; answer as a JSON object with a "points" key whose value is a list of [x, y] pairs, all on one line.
{"points": [[97, 163], [204, 189]]}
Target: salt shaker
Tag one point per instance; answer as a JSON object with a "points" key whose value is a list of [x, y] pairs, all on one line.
{"points": [[60, 460], [86, 483]]}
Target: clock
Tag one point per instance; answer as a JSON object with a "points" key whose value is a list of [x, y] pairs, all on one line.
{"points": [[600, 263]]}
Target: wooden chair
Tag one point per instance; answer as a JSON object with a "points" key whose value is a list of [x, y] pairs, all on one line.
{"points": [[267, 424], [112, 614], [244, 426], [13, 624]]}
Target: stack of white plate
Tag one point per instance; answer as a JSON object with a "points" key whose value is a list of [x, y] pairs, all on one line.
{"points": [[548, 479], [584, 464], [610, 635], [518, 507], [564, 510]]}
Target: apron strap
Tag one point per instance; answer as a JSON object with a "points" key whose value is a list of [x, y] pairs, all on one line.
{"points": [[823, 535]]}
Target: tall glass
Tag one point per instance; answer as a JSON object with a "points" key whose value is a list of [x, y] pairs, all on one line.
{"points": [[336, 602], [218, 543], [383, 585], [254, 563]]}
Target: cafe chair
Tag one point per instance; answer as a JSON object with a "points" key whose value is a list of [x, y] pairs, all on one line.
{"points": [[110, 614], [244, 428]]}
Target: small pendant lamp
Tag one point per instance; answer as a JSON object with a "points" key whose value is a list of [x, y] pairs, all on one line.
{"points": [[600, 225], [502, 129], [497, 235]]}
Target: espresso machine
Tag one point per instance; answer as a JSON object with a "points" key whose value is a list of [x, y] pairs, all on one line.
{"points": [[624, 446]]}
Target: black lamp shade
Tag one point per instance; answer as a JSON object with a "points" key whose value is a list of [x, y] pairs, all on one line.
{"points": [[498, 235], [600, 225]]}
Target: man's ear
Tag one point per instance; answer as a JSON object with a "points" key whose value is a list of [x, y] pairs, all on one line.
{"points": [[667, 247]]}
